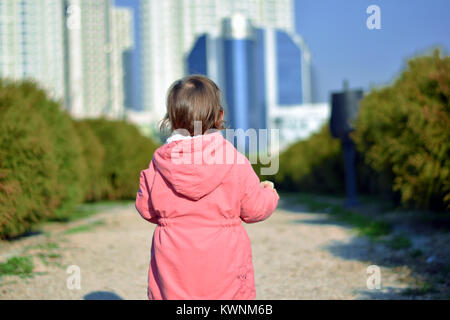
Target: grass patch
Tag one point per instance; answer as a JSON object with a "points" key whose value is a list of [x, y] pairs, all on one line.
{"points": [[44, 246], [400, 242], [88, 209], [50, 246], [7, 283], [81, 211], [363, 224], [49, 258], [416, 253], [312, 203], [20, 266], [84, 227], [438, 220], [423, 289]]}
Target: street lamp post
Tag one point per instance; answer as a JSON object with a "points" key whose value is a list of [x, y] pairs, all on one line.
{"points": [[343, 113]]}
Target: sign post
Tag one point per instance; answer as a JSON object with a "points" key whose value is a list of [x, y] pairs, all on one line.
{"points": [[344, 110]]}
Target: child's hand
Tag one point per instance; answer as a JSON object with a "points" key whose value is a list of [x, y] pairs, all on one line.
{"points": [[269, 184]]}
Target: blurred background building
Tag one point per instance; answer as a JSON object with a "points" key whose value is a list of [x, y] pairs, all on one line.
{"points": [[97, 36], [122, 44], [265, 73], [84, 53], [31, 43], [271, 71], [169, 29], [74, 49]]}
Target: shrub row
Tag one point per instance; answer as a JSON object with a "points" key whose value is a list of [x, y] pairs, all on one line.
{"points": [[50, 163], [403, 132], [312, 165], [124, 152], [403, 140]]}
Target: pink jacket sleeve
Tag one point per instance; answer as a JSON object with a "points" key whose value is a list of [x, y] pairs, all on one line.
{"points": [[257, 202], [143, 202]]}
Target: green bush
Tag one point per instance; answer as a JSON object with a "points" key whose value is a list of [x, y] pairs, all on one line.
{"points": [[403, 132], [49, 163], [67, 147], [312, 165], [94, 156], [127, 152], [317, 165], [28, 164]]}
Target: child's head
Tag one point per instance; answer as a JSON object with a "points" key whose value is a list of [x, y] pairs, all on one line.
{"points": [[193, 98]]}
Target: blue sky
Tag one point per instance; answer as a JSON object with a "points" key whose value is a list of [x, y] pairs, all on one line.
{"points": [[344, 48]]}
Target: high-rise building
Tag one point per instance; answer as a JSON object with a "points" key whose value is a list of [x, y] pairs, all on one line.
{"points": [[88, 57], [265, 76], [129, 79], [168, 30], [122, 42], [74, 49], [31, 43]]}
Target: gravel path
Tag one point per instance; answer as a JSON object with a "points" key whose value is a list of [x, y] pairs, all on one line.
{"points": [[296, 255]]}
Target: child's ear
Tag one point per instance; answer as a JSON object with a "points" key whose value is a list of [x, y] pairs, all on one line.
{"points": [[220, 122]]}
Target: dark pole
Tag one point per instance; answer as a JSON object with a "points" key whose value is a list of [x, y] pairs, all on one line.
{"points": [[344, 111], [349, 151]]}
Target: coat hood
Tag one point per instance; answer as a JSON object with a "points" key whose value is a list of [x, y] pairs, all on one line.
{"points": [[195, 166]]}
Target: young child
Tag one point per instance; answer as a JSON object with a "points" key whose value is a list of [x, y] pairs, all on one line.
{"points": [[198, 189]]}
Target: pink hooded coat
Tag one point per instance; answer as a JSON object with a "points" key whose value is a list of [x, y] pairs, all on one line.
{"points": [[198, 191]]}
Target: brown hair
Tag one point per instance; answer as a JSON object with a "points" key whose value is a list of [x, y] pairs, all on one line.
{"points": [[193, 98]]}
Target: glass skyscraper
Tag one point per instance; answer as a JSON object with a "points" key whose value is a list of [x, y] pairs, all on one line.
{"points": [[241, 59], [265, 76], [289, 70], [169, 29]]}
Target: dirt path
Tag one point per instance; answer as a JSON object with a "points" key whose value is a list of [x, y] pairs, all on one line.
{"points": [[297, 255]]}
